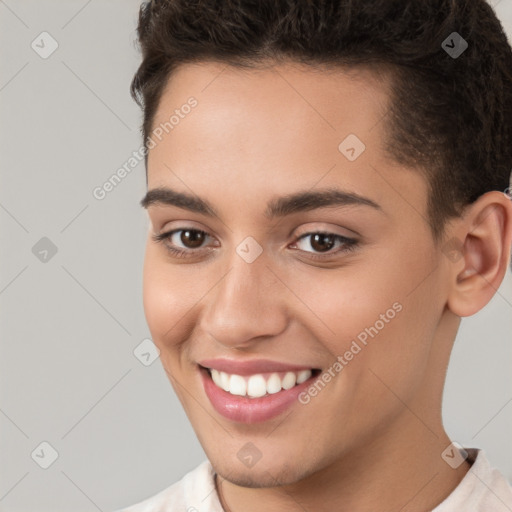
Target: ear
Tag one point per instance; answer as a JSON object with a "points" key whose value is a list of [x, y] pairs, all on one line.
{"points": [[478, 253]]}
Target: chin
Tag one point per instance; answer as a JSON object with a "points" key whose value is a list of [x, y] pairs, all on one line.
{"points": [[272, 474]]}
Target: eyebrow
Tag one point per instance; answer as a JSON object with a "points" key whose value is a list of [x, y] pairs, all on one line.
{"points": [[278, 207]]}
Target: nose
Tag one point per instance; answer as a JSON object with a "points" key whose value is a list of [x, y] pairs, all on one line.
{"points": [[247, 306]]}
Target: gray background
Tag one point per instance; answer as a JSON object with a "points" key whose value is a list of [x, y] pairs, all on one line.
{"points": [[70, 324]]}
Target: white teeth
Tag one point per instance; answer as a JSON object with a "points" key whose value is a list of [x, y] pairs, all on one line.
{"points": [[237, 385], [273, 384], [303, 376], [216, 377], [289, 380], [256, 386], [224, 381]]}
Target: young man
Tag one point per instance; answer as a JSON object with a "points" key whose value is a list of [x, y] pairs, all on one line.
{"points": [[327, 193]]}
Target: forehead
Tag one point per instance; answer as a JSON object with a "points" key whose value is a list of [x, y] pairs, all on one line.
{"points": [[286, 111], [332, 99], [265, 132]]}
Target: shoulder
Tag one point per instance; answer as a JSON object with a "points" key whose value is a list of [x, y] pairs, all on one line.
{"points": [[483, 488], [195, 491]]}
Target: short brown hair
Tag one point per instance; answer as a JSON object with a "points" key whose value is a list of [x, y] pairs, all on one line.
{"points": [[450, 116]]}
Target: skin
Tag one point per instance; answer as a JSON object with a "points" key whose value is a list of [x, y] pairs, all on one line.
{"points": [[372, 438]]}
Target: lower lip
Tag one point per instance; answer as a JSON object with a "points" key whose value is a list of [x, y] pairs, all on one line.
{"points": [[250, 410]]}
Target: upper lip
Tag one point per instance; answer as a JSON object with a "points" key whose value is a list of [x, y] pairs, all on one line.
{"points": [[251, 366]]}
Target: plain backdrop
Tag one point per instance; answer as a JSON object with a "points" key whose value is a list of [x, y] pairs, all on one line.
{"points": [[71, 314]]}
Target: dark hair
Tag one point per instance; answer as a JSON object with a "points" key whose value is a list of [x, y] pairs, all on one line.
{"points": [[450, 116]]}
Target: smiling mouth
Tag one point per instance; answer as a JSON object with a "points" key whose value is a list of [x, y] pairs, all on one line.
{"points": [[259, 385]]}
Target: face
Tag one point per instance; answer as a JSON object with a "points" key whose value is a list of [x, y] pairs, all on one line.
{"points": [[323, 308]]}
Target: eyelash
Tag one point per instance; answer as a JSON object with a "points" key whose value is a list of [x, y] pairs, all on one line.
{"points": [[349, 243]]}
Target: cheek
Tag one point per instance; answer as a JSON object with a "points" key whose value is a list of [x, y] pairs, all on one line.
{"points": [[168, 299], [383, 349], [372, 320], [347, 304]]}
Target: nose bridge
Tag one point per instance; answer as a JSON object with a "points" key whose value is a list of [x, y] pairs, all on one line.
{"points": [[246, 304]]}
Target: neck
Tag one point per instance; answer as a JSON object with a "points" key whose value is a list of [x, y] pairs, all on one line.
{"points": [[390, 473]]}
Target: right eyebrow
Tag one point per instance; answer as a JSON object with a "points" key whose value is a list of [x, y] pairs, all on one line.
{"points": [[169, 197]]}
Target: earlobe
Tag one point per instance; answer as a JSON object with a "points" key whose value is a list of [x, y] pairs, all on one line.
{"points": [[485, 238]]}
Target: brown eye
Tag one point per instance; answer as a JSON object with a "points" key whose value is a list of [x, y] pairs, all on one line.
{"points": [[322, 242], [192, 238], [324, 245], [183, 242]]}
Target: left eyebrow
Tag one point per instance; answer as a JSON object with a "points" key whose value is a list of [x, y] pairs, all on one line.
{"points": [[277, 207], [309, 200]]}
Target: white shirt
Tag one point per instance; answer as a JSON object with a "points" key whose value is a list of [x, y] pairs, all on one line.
{"points": [[483, 489]]}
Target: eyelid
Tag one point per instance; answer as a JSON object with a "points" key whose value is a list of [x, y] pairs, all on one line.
{"points": [[347, 244], [331, 230], [312, 231], [181, 224], [169, 233]]}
